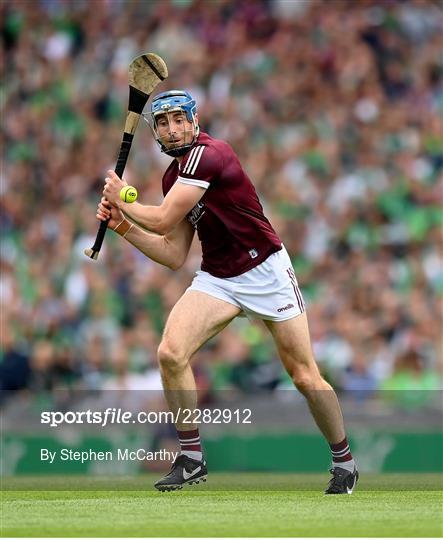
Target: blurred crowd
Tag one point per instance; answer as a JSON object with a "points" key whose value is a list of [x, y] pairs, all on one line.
{"points": [[336, 111]]}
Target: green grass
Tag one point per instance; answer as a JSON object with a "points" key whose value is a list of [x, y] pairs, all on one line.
{"points": [[257, 505]]}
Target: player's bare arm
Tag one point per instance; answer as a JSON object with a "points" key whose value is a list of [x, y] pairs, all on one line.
{"points": [[169, 250], [162, 219], [173, 248]]}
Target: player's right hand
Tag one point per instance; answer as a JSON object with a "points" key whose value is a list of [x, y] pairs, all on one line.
{"points": [[106, 210]]}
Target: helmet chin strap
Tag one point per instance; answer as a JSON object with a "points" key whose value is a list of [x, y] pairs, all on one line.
{"points": [[177, 152]]}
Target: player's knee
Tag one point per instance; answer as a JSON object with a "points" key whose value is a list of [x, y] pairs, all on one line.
{"points": [[307, 381], [170, 357]]}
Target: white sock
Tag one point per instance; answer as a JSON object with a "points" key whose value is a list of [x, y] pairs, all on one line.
{"points": [[198, 456], [348, 465]]}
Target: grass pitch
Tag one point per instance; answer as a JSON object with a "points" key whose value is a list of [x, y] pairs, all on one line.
{"points": [[241, 505]]}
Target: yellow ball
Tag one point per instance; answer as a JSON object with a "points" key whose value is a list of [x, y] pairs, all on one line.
{"points": [[128, 194]]}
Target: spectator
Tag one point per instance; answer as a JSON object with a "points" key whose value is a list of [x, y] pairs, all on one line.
{"points": [[336, 110]]}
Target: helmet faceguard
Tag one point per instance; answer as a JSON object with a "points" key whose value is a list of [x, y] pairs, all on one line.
{"points": [[166, 106]]}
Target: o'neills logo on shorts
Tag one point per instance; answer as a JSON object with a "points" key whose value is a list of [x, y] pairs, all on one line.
{"points": [[289, 306]]}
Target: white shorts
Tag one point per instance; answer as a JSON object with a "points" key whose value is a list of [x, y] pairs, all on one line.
{"points": [[269, 291]]}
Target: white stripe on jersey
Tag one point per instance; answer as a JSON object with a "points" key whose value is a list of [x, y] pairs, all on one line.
{"points": [[193, 182], [196, 162], [190, 159], [193, 160]]}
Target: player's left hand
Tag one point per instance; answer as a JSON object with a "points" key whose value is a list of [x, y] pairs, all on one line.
{"points": [[113, 185]]}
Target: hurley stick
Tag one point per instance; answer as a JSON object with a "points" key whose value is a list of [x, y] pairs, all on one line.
{"points": [[145, 73]]}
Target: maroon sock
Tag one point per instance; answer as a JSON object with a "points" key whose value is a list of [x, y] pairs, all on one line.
{"points": [[341, 451], [189, 442]]}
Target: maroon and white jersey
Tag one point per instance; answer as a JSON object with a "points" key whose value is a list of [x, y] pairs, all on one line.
{"points": [[234, 233]]}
